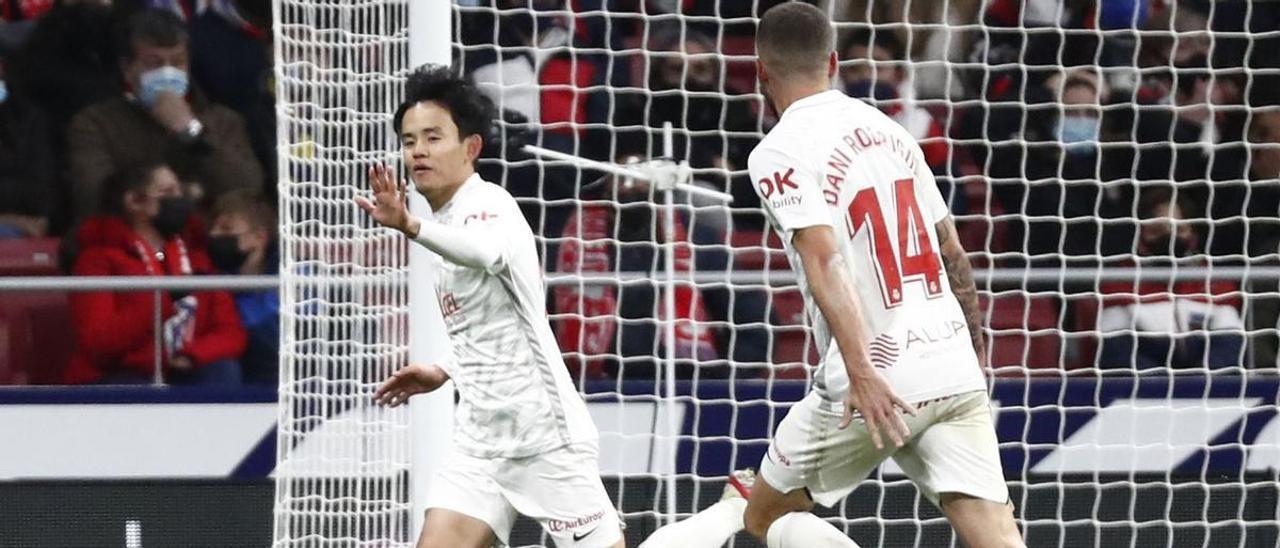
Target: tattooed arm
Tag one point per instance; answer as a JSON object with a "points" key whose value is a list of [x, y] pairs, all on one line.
{"points": [[960, 275]]}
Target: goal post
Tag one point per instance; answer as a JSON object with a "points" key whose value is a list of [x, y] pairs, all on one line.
{"points": [[431, 415]]}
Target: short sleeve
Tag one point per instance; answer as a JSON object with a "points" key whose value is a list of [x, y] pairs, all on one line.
{"points": [[935, 206], [787, 190]]}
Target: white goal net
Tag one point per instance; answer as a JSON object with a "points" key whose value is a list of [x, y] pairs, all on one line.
{"points": [[1111, 166]]}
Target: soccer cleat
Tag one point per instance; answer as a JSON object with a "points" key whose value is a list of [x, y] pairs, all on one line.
{"points": [[739, 484]]}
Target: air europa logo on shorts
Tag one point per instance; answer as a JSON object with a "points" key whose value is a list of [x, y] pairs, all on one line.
{"points": [[558, 525]]}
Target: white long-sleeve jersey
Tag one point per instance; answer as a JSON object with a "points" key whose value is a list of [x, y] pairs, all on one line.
{"points": [[515, 395]]}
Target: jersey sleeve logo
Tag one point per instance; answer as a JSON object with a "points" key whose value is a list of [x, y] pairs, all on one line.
{"points": [[780, 183]]}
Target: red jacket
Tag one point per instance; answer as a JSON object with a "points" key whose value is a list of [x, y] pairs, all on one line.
{"points": [[114, 330]]}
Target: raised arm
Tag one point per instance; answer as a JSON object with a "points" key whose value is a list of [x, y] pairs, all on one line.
{"points": [[473, 248], [960, 276], [832, 288]]}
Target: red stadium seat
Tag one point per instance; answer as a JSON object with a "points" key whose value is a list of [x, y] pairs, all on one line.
{"points": [[756, 250], [29, 257], [35, 337], [793, 347], [1038, 345], [35, 327]]}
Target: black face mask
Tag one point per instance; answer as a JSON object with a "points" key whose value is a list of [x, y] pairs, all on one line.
{"points": [[226, 254], [173, 215]]}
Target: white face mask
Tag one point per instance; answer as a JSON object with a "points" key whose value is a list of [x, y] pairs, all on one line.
{"points": [[160, 80]]}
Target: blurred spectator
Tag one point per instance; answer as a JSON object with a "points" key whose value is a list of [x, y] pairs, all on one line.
{"points": [[1159, 323], [17, 19], [928, 34], [872, 68], [231, 62], [67, 65], [1177, 32], [242, 240], [138, 234], [617, 329], [715, 126], [1043, 160], [160, 118], [26, 165]]}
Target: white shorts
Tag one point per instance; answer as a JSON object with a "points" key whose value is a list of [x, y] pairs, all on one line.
{"points": [[561, 489], [953, 449]]}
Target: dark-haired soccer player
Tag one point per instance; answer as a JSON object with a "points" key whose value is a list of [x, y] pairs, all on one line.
{"points": [[891, 296], [523, 439]]}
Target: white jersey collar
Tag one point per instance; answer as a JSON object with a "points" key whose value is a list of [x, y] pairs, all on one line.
{"points": [[471, 181], [816, 99]]}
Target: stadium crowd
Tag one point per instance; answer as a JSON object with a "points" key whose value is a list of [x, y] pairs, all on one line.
{"points": [[138, 137]]}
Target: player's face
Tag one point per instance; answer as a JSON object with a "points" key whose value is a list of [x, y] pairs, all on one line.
{"points": [[433, 152]]}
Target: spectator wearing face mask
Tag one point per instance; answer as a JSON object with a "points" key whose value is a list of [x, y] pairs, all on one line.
{"points": [[1159, 323], [1044, 162], [242, 240], [139, 233], [872, 68], [160, 117]]}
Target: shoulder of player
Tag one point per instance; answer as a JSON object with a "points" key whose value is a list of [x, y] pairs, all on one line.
{"points": [[779, 142], [484, 200]]}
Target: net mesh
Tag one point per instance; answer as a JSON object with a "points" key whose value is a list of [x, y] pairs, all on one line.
{"points": [[342, 471], [1088, 151]]}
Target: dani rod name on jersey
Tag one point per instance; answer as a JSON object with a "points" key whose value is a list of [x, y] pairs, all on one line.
{"points": [[853, 144]]}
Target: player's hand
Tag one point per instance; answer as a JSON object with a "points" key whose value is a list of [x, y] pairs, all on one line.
{"points": [[389, 206], [407, 381], [874, 399], [172, 111]]}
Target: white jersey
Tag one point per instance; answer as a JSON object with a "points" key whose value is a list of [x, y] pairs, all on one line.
{"points": [[515, 395], [838, 162]]}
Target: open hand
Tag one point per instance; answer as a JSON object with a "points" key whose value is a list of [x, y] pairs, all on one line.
{"points": [[874, 399], [389, 206], [407, 381]]}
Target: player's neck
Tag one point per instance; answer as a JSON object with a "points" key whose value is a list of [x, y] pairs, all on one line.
{"points": [[786, 96], [439, 197]]}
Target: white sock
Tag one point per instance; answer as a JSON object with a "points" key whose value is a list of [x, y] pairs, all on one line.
{"points": [[710, 528], [805, 530]]}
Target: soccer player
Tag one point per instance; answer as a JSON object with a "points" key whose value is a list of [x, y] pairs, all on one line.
{"points": [[892, 298], [523, 441]]}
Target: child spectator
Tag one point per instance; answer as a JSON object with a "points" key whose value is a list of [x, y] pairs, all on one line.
{"points": [[242, 240], [138, 234]]}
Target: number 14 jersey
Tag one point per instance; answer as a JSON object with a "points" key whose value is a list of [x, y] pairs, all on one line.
{"points": [[835, 161]]}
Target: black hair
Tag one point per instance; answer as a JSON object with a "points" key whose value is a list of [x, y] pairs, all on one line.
{"points": [[154, 26], [131, 178], [874, 38], [471, 110]]}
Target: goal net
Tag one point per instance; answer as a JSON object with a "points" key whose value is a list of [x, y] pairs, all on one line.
{"points": [[1111, 167]]}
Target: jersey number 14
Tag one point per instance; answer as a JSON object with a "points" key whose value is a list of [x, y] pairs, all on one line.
{"points": [[916, 259]]}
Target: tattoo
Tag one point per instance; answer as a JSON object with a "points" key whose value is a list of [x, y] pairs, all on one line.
{"points": [[960, 276]]}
